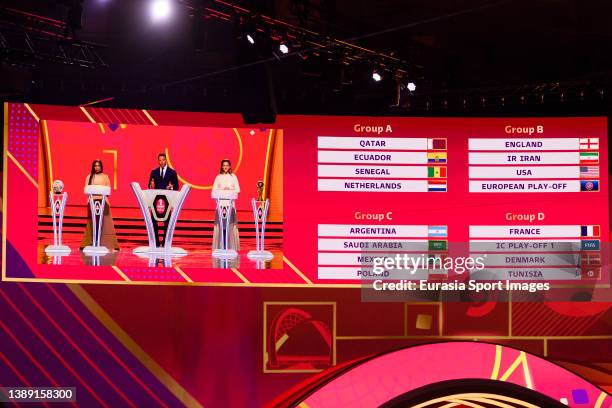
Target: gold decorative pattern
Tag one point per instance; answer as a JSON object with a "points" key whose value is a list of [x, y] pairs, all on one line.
{"points": [[148, 115], [470, 399], [296, 270], [183, 274], [29, 108], [241, 276], [120, 272], [520, 360], [207, 187], [87, 115]]}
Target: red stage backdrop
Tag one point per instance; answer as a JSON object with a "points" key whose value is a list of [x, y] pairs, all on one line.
{"points": [[129, 153]]}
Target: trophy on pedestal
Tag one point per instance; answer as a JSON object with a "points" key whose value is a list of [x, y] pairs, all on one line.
{"points": [[58, 199], [260, 213]]}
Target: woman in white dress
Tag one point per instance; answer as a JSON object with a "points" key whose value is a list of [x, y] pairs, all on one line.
{"points": [[226, 180]]}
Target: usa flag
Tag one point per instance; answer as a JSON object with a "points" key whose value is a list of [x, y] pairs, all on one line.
{"points": [[589, 171]]}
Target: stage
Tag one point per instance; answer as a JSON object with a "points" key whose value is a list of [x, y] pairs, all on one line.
{"points": [[193, 233]]}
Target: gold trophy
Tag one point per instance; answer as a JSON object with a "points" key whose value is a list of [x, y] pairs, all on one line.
{"points": [[260, 214], [260, 190]]}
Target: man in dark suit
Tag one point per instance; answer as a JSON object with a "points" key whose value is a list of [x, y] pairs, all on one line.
{"points": [[162, 178]]}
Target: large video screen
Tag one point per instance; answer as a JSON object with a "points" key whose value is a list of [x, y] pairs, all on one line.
{"points": [[529, 196], [394, 203]]}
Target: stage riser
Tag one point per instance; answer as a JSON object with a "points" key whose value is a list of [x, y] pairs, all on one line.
{"points": [[72, 218], [67, 229], [68, 225], [184, 228]]}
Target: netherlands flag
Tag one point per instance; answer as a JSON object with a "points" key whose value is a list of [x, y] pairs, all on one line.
{"points": [[436, 185]]}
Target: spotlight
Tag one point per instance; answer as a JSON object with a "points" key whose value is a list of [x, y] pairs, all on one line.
{"points": [[160, 10], [250, 38], [411, 86], [283, 48], [376, 76]]}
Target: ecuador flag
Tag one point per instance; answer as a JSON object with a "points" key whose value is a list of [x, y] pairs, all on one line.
{"points": [[436, 157]]}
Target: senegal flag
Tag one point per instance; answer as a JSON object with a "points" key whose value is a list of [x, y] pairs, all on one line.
{"points": [[436, 172]]}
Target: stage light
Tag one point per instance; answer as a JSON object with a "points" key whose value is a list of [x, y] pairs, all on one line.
{"points": [[376, 76], [250, 38], [284, 48], [160, 10], [411, 86]]}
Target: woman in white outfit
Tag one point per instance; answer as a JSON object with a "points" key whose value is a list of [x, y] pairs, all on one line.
{"points": [[226, 180]]}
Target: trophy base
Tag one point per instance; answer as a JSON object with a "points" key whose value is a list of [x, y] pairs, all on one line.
{"points": [[260, 255], [95, 250], [224, 253], [147, 250], [57, 250]]}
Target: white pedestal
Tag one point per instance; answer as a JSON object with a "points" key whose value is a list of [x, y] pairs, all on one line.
{"points": [[260, 255], [260, 214], [96, 206], [58, 205], [95, 250], [146, 201], [225, 206], [172, 251], [57, 250], [224, 253]]}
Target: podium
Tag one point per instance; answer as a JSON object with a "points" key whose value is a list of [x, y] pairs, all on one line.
{"points": [[225, 205], [97, 201], [164, 205], [260, 213], [58, 204]]}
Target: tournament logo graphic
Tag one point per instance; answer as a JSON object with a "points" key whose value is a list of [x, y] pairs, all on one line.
{"points": [[299, 337], [161, 207]]}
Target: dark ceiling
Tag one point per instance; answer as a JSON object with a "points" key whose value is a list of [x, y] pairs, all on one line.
{"points": [[461, 54]]}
